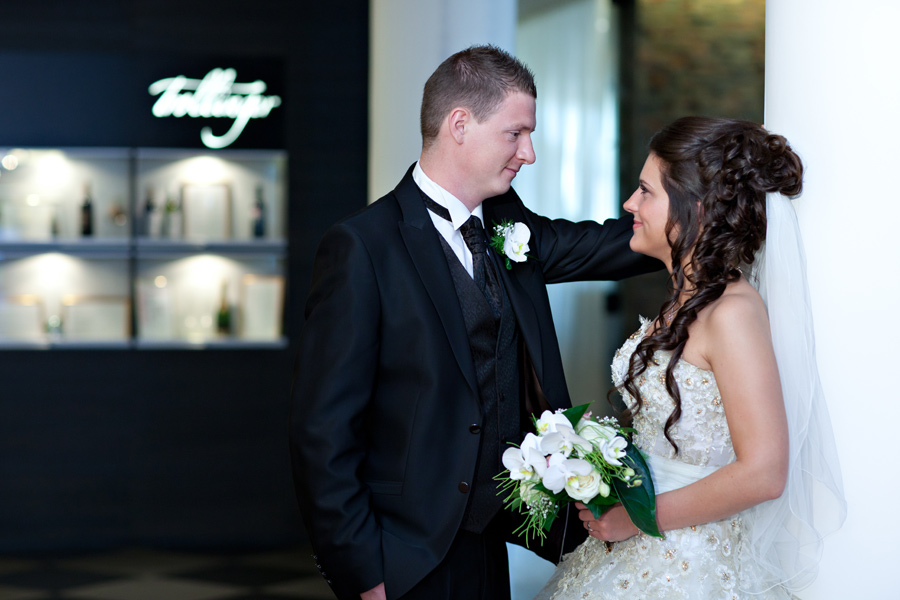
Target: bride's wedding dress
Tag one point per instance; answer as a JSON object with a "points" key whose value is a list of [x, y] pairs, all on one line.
{"points": [[699, 562]]}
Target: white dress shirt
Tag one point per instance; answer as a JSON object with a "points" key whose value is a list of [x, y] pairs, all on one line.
{"points": [[459, 214]]}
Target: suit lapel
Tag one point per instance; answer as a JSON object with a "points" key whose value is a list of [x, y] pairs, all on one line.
{"points": [[427, 255], [520, 282]]}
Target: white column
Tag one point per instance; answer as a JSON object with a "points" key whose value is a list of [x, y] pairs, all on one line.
{"points": [[409, 39], [832, 88]]}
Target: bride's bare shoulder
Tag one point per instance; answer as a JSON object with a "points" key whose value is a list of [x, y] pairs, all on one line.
{"points": [[737, 316], [739, 303]]}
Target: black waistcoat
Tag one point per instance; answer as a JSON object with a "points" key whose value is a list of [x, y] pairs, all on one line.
{"points": [[494, 346]]}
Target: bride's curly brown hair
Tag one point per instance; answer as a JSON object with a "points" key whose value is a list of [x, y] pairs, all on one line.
{"points": [[717, 173]]}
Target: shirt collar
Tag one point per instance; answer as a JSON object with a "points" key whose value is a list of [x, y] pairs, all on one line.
{"points": [[459, 214]]}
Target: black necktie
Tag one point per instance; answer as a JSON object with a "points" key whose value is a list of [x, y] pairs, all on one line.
{"points": [[482, 267], [473, 234]]}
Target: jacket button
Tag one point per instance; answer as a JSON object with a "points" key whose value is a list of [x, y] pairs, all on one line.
{"points": [[475, 428], [463, 487], [502, 397]]}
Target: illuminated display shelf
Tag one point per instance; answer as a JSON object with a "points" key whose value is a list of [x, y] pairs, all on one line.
{"points": [[93, 248], [177, 249], [149, 248]]}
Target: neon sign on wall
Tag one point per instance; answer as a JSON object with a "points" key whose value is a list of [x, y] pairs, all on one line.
{"points": [[217, 95]]}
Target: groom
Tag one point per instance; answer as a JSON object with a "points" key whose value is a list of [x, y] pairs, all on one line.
{"points": [[422, 356]]}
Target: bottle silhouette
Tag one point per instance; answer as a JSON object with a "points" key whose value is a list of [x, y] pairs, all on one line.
{"points": [[259, 214], [223, 317], [87, 212]]}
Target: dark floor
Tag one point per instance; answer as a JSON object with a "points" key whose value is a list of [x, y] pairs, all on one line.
{"points": [[140, 574]]}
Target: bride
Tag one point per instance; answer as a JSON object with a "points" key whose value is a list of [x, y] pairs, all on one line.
{"points": [[722, 386]]}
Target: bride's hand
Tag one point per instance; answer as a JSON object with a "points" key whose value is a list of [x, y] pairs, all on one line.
{"points": [[612, 526]]}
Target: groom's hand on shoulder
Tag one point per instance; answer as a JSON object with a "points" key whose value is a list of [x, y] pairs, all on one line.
{"points": [[376, 593]]}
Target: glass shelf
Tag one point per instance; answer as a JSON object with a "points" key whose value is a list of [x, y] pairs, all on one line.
{"points": [[121, 248], [227, 344], [94, 247], [152, 248]]}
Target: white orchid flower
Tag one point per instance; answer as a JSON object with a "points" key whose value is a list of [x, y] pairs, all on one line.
{"points": [[556, 475], [613, 450], [552, 421], [515, 242], [521, 461], [514, 460], [550, 463], [565, 441]]}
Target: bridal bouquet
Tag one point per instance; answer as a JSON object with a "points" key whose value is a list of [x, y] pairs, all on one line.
{"points": [[576, 457]]}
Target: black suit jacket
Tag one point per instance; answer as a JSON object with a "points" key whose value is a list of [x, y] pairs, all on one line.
{"points": [[386, 393]]}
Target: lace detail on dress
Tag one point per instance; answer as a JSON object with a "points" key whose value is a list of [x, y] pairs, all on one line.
{"points": [[697, 563], [701, 433]]}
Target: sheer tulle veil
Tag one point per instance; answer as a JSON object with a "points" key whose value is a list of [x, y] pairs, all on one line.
{"points": [[783, 541]]}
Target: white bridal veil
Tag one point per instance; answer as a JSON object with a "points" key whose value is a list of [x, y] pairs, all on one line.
{"points": [[784, 537]]}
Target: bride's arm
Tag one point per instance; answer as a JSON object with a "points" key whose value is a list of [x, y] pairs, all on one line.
{"points": [[733, 336]]}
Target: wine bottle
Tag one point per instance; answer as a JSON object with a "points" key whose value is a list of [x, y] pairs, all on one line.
{"points": [[87, 212], [259, 214], [223, 317], [150, 213], [174, 223], [54, 327], [54, 224]]}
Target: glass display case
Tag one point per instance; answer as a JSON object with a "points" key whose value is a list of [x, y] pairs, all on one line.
{"points": [[143, 248]]}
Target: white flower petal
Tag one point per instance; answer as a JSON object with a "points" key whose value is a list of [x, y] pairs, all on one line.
{"points": [[550, 422]]}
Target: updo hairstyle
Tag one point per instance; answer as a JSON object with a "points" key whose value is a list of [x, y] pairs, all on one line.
{"points": [[716, 173]]}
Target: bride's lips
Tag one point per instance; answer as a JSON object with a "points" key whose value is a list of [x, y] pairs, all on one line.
{"points": [[636, 224]]}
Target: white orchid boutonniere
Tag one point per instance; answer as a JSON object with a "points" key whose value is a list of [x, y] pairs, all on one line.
{"points": [[510, 240]]}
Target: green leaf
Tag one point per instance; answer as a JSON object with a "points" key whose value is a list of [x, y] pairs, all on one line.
{"points": [[575, 413], [600, 505], [548, 522], [639, 502]]}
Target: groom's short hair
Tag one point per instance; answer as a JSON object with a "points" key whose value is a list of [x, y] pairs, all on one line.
{"points": [[478, 78]]}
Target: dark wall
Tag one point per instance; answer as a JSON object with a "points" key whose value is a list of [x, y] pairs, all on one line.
{"points": [[180, 448], [680, 58]]}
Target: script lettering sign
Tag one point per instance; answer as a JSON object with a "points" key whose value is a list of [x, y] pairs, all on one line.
{"points": [[217, 95]]}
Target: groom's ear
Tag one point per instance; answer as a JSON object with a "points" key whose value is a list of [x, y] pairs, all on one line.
{"points": [[457, 122]]}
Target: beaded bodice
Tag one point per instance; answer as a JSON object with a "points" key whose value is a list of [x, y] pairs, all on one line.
{"points": [[701, 433], [693, 563]]}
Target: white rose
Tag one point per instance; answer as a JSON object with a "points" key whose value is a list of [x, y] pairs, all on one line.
{"points": [[584, 487], [530, 495], [594, 432], [515, 244]]}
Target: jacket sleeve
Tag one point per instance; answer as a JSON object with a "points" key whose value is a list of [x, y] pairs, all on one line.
{"points": [[587, 250], [336, 370]]}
